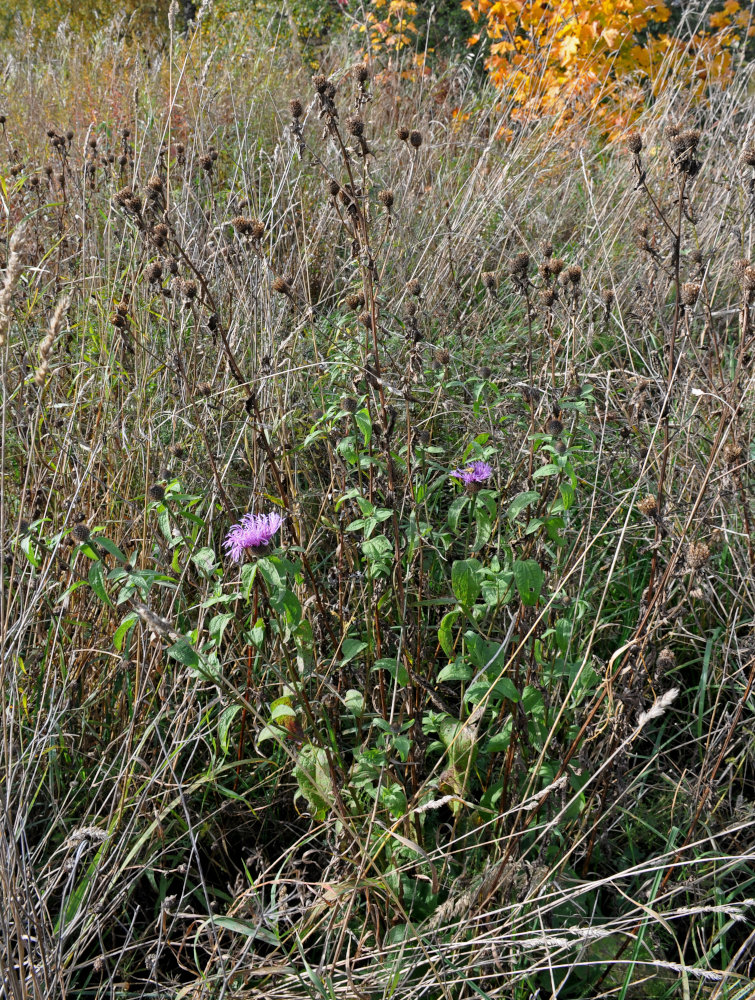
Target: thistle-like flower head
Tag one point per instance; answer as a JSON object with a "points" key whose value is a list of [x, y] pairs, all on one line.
{"points": [[475, 472], [253, 534]]}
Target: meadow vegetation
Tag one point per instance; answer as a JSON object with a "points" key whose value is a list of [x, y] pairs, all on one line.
{"points": [[473, 715]]}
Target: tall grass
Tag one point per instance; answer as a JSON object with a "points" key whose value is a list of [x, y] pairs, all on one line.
{"points": [[491, 740]]}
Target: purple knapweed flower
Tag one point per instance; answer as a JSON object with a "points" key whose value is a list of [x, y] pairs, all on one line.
{"points": [[253, 534], [475, 472]]}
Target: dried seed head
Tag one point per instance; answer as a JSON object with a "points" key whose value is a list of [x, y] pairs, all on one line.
{"points": [[733, 453], [698, 554], [281, 286], [320, 83], [155, 186], [365, 319], [159, 234], [748, 279], [547, 297], [666, 660], [242, 225], [560, 447], [442, 355], [410, 308], [170, 264], [361, 73], [296, 108], [413, 287], [386, 198], [634, 142], [354, 125], [349, 404], [402, 133], [81, 533], [489, 280], [355, 300], [748, 156], [555, 266], [415, 138], [157, 493], [554, 427], [205, 389], [608, 295], [188, 289], [546, 249], [574, 273], [154, 272], [334, 188], [689, 293], [519, 265], [485, 372], [206, 161], [648, 505]]}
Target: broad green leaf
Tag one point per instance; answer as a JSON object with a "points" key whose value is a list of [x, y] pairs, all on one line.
{"points": [[465, 580], [519, 502], [351, 648], [205, 561], [363, 422], [112, 548], [218, 625], [123, 629], [445, 634], [457, 670], [97, 582], [396, 669], [224, 725], [529, 580]]}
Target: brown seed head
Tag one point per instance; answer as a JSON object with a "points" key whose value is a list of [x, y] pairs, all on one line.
{"points": [[386, 198], [361, 73], [666, 660], [170, 264], [555, 266], [354, 125], [634, 142], [296, 108], [402, 133], [281, 286], [155, 186], [154, 272], [413, 287], [689, 293], [334, 188], [442, 355], [320, 83], [574, 273], [733, 453], [648, 505], [698, 554], [415, 138], [206, 161], [547, 297], [188, 289], [355, 300], [748, 156], [157, 493], [554, 427], [489, 280], [81, 533]]}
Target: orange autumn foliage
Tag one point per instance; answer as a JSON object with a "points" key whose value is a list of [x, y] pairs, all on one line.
{"points": [[561, 58]]}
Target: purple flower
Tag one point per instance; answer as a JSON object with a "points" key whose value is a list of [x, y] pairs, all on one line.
{"points": [[475, 472], [254, 533]]}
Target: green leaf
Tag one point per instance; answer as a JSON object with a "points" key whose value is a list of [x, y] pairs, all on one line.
{"points": [[247, 928], [457, 670], [363, 422], [354, 701], [519, 502], [445, 635], [454, 512], [112, 548], [218, 625], [97, 582], [465, 580], [396, 669], [529, 580], [563, 633], [484, 528], [185, 653], [205, 561], [545, 470], [377, 548], [123, 629], [351, 648], [313, 777], [224, 725]]}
